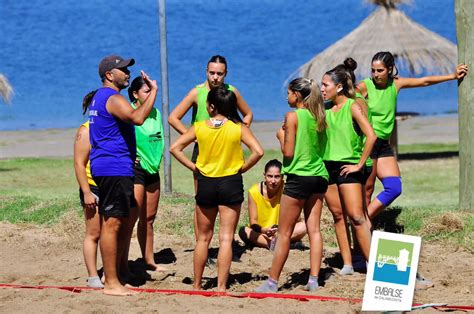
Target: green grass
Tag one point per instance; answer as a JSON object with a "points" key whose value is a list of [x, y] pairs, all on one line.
{"points": [[427, 148], [41, 190], [34, 210]]}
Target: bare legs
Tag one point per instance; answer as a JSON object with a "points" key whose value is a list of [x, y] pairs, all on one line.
{"points": [[91, 240], [205, 219], [352, 200], [125, 237], [145, 233], [290, 210], [262, 240], [109, 251], [312, 214], [334, 204], [370, 184]]}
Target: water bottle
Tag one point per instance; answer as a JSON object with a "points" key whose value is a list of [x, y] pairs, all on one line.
{"points": [[273, 243]]}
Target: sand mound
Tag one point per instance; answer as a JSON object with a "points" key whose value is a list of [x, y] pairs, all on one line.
{"points": [[447, 222]]}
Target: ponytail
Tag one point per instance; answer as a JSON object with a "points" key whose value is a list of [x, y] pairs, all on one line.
{"points": [[224, 102], [344, 74], [312, 99], [87, 101]]}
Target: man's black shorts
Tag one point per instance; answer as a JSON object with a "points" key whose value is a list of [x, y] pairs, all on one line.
{"points": [[142, 177], [334, 170], [301, 187], [115, 195], [381, 148], [212, 192]]}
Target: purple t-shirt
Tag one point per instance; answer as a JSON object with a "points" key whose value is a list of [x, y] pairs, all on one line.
{"points": [[113, 144]]}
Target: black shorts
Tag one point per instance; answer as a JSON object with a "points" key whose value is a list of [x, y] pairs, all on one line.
{"points": [[194, 156], [211, 192], [334, 169], [301, 187], [115, 196], [381, 148], [94, 190], [142, 177]]}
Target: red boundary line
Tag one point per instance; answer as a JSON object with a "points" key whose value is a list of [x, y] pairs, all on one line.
{"points": [[254, 295]]}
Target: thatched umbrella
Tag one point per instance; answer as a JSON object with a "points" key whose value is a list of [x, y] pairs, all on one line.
{"points": [[6, 90], [416, 49]]}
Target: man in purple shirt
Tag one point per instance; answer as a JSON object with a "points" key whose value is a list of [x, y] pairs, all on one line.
{"points": [[113, 151]]}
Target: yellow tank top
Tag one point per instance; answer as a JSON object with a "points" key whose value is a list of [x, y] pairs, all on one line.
{"points": [[267, 209], [220, 153], [88, 166]]}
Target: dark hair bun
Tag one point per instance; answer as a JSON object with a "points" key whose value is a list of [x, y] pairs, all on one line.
{"points": [[350, 64]]}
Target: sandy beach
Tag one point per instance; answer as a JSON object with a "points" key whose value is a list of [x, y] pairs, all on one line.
{"points": [[59, 142], [51, 256]]}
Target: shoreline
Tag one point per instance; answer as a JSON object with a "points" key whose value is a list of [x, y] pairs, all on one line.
{"points": [[59, 142]]}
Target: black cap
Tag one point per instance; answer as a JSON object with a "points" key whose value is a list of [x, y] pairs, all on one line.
{"points": [[113, 62]]}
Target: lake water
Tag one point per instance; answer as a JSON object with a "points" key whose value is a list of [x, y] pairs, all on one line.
{"points": [[50, 49]]}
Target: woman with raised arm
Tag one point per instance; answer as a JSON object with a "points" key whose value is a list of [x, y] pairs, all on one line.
{"points": [[150, 147], [381, 91], [219, 167]]}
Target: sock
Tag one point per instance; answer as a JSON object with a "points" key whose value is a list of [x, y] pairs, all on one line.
{"points": [[312, 283], [94, 282], [270, 285], [347, 270]]}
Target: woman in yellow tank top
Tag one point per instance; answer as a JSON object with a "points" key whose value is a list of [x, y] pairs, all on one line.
{"points": [[88, 192], [216, 72], [264, 206], [219, 169]]}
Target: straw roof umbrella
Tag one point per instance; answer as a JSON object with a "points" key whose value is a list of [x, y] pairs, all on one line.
{"points": [[6, 90], [416, 49]]}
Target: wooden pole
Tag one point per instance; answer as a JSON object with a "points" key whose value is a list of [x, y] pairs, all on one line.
{"points": [[464, 10], [165, 95]]}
